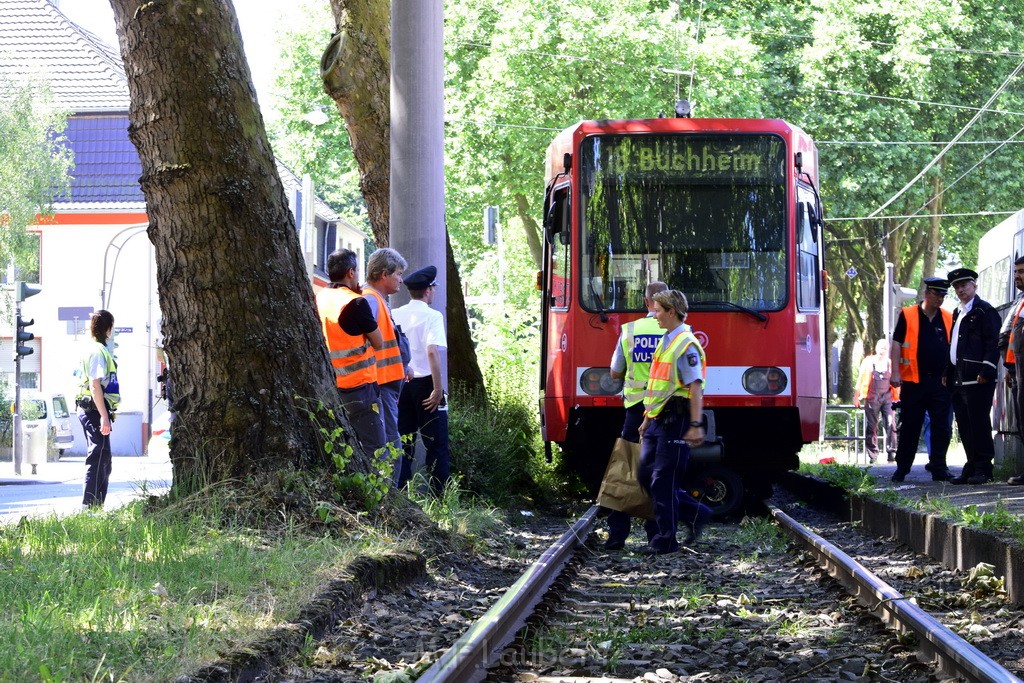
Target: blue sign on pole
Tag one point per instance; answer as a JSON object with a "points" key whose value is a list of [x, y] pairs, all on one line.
{"points": [[72, 312], [122, 330]]}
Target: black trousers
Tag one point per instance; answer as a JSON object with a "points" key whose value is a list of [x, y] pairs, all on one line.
{"points": [[972, 405], [432, 428], [917, 398], [98, 460]]}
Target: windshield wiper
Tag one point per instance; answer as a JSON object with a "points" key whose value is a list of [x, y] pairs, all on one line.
{"points": [[731, 304]]}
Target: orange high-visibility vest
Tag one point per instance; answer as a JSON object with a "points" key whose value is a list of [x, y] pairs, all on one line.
{"points": [[1011, 357], [389, 357], [908, 349], [351, 355]]}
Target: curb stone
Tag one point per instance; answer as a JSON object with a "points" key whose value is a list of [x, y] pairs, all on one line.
{"points": [[339, 598], [955, 546]]}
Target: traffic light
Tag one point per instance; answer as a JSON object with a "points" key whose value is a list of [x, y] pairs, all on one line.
{"points": [[24, 336], [23, 290]]}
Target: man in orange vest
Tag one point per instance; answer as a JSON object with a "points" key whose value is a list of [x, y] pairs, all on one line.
{"points": [[1011, 348], [352, 337], [384, 271], [919, 354]]}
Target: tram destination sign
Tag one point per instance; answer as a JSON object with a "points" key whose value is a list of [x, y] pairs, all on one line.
{"points": [[709, 158]]}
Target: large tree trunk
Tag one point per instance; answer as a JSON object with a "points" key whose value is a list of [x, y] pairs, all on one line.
{"points": [[466, 371], [239, 325], [846, 378], [357, 78], [532, 230]]}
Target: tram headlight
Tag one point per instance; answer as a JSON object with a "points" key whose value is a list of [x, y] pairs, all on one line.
{"points": [[764, 380], [599, 382]]}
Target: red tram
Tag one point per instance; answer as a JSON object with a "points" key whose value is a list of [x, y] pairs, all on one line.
{"points": [[726, 211]]}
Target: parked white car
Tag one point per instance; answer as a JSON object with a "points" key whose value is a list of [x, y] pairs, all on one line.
{"points": [[53, 409]]}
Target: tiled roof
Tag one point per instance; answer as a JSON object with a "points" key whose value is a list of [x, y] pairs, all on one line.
{"points": [[292, 183], [107, 167], [85, 74]]}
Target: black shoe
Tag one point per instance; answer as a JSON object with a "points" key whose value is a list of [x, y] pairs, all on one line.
{"points": [[891, 458], [614, 544], [948, 476], [928, 467], [898, 476], [1016, 481], [979, 479], [872, 459], [696, 531], [649, 550], [961, 480]]}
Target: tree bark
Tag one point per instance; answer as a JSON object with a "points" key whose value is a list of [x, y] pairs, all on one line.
{"points": [[846, 378], [239, 324], [532, 230], [358, 80], [466, 371]]}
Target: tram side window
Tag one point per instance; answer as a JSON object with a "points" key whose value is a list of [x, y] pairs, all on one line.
{"points": [[560, 249], [808, 289]]}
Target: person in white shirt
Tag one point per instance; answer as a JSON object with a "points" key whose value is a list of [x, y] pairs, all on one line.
{"points": [[972, 374], [423, 405]]}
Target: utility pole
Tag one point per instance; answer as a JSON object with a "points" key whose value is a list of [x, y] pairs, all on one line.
{"points": [[417, 143]]}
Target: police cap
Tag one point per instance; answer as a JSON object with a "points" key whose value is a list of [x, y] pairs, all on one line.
{"points": [[422, 278], [961, 274], [937, 284]]}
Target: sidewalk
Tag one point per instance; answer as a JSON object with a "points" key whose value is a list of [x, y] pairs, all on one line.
{"points": [[56, 488]]}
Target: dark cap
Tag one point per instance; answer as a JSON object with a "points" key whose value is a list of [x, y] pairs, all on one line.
{"points": [[422, 278], [936, 283], [961, 274]]}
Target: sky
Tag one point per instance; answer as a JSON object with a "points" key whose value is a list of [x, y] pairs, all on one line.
{"points": [[257, 19]]}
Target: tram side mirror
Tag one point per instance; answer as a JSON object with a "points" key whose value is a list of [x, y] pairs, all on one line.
{"points": [[815, 219], [555, 221]]}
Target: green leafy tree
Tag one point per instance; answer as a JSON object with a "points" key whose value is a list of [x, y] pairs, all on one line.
{"points": [[34, 165]]}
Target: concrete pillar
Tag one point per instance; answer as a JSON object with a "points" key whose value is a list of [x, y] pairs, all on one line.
{"points": [[417, 141]]}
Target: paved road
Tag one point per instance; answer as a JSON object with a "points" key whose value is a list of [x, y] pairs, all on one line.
{"points": [[56, 488]]}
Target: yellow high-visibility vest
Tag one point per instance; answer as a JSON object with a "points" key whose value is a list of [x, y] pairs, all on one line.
{"points": [[664, 382], [639, 340]]}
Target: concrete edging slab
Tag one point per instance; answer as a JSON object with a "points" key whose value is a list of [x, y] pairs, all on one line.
{"points": [[955, 546]]}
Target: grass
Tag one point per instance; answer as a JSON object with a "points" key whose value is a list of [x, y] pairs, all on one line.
{"points": [[131, 595], [456, 510]]}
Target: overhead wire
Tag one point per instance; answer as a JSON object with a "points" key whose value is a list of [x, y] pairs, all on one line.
{"points": [[915, 215], [922, 102], [947, 147], [958, 179]]}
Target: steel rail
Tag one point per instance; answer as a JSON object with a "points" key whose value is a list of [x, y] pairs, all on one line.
{"points": [[954, 655], [467, 660]]}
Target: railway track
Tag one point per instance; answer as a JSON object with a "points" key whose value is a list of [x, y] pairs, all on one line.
{"points": [[748, 605]]}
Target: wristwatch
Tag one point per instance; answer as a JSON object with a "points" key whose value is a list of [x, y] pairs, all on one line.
{"points": [[696, 424]]}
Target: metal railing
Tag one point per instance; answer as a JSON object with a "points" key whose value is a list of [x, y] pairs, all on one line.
{"points": [[854, 437]]}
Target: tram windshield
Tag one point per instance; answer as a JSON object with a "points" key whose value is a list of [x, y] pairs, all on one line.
{"points": [[704, 213]]}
